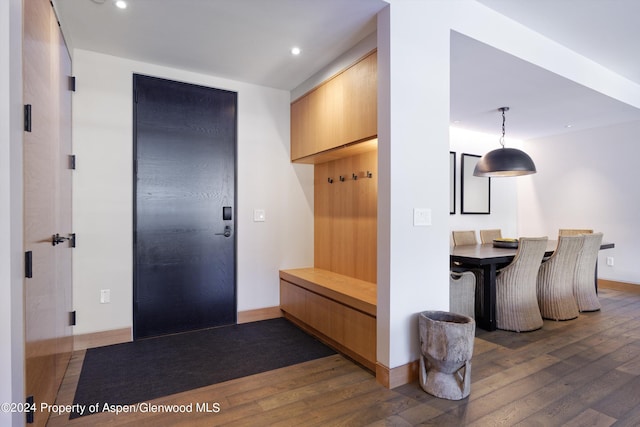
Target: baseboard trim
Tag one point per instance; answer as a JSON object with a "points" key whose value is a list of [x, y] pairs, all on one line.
{"points": [[618, 286], [395, 377], [259, 314], [117, 336], [99, 339]]}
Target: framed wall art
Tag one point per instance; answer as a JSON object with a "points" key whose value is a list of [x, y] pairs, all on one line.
{"points": [[452, 182], [476, 190]]}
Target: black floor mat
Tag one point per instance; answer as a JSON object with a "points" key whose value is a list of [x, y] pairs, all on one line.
{"points": [[139, 371]]}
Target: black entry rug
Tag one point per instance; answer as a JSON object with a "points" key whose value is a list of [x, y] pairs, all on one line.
{"points": [[139, 371]]}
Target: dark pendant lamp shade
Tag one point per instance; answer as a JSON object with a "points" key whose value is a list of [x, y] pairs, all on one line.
{"points": [[504, 161]]}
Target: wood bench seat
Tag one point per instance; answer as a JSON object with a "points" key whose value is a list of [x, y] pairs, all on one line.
{"points": [[339, 310]]}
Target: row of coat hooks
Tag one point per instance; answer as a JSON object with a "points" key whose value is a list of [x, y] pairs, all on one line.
{"points": [[354, 176]]}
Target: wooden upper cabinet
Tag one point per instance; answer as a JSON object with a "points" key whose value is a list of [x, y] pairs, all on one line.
{"points": [[360, 100], [343, 110]]}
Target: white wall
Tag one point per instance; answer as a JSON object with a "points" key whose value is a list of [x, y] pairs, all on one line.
{"points": [[413, 55], [587, 179], [11, 226], [504, 194], [413, 169], [102, 141]]}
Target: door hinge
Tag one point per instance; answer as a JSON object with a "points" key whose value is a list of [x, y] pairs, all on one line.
{"points": [[72, 83], [27, 118], [28, 264], [72, 161], [72, 318], [30, 410]]}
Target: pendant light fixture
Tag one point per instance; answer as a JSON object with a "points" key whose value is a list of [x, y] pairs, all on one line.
{"points": [[504, 161]]}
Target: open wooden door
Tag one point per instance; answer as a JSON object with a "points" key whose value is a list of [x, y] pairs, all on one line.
{"points": [[47, 205]]}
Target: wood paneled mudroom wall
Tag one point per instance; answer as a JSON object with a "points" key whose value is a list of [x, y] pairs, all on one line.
{"points": [[346, 209]]}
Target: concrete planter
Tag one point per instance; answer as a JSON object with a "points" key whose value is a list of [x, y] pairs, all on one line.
{"points": [[446, 343]]}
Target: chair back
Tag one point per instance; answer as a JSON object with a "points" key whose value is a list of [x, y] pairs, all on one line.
{"points": [[516, 301], [555, 280], [526, 263], [588, 256], [467, 237], [488, 236], [462, 289], [573, 231], [583, 279]]}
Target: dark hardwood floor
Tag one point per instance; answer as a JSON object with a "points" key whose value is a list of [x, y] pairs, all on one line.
{"points": [[582, 372]]}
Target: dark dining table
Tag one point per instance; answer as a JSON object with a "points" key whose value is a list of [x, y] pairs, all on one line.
{"points": [[488, 258]]}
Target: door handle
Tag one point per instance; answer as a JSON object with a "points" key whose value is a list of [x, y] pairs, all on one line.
{"points": [[56, 239], [226, 233]]}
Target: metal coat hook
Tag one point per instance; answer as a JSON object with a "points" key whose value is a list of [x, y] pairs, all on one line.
{"points": [[369, 174], [354, 176], [330, 180], [341, 178]]}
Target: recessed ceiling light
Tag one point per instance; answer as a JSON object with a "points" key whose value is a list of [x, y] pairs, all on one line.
{"points": [[121, 4], [568, 125], [295, 50]]}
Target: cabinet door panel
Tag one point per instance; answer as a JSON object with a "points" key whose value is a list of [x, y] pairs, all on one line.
{"points": [[354, 330], [341, 111], [330, 114], [292, 299], [305, 126], [360, 108], [317, 313]]}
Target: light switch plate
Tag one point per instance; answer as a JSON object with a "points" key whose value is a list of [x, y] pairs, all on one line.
{"points": [[421, 217], [259, 215], [105, 296]]}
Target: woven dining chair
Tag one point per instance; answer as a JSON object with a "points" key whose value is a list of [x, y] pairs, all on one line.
{"points": [[555, 280], [584, 288], [516, 301], [488, 236], [573, 231], [462, 289], [467, 237]]}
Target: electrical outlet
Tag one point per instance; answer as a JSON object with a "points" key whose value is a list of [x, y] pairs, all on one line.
{"points": [[105, 296], [610, 261]]}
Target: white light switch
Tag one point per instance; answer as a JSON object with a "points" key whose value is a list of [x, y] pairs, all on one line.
{"points": [[421, 217], [258, 215], [105, 296]]}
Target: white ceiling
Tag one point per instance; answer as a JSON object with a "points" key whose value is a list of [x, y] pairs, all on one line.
{"points": [[249, 40], [245, 40], [543, 103]]}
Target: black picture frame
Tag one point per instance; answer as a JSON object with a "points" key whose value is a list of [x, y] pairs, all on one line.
{"points": [[452, 182], [476, 190]]}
